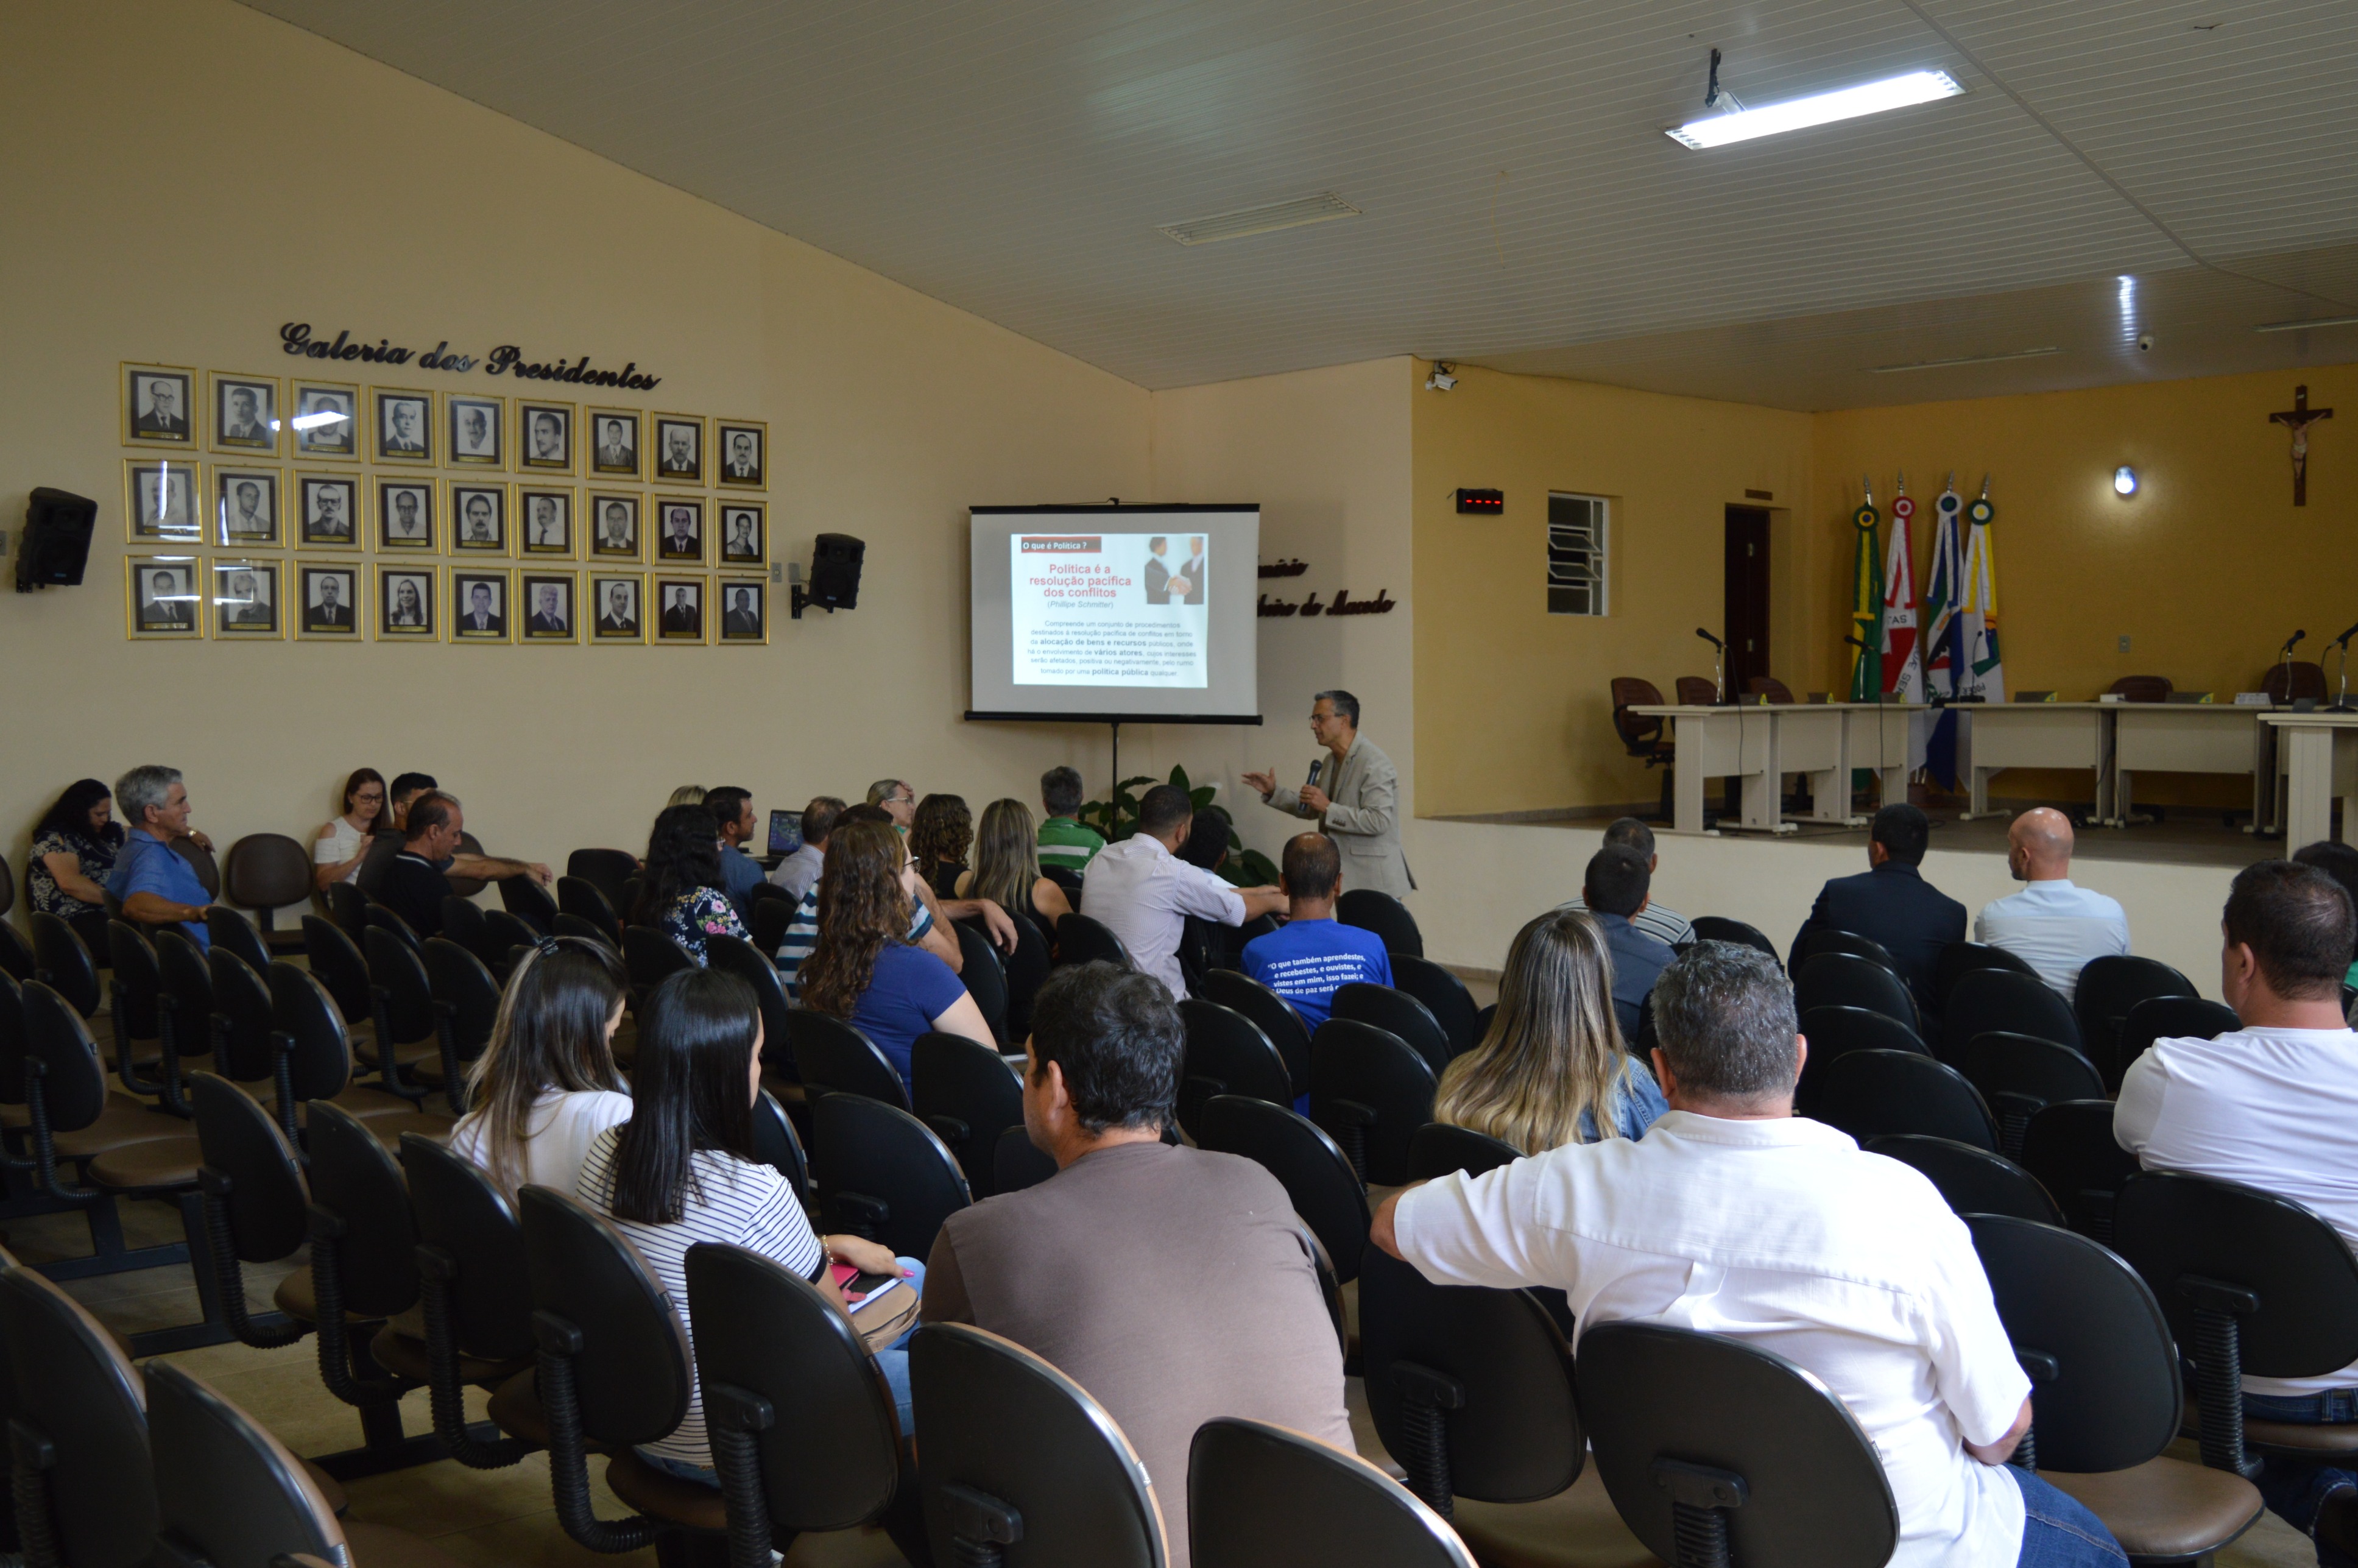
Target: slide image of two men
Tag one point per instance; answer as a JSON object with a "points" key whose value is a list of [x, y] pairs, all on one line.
{"points": [[1164, 586]]}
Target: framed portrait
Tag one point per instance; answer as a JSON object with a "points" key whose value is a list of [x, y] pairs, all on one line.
{"points": [[327, 506], [743, 616], [161, 502], [613, 441], [408, 605], [744, 533], [612, 523], [478, 605], [544, 521], [326, 422], [404, 512], [162, 599], [328, 601], [479, 518], [474, 431], [741, 451], [245, 508], [159, 405], [549, 609], [245, 413], [680, 529], [614, 606], [245, 600], [543, 437], [679, 448], [680, 609], [404, 424]]}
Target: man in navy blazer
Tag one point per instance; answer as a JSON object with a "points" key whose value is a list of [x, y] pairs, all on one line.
{"points": [[1893, 903]]}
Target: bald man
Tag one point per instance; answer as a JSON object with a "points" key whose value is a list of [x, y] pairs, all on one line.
{"points": [[2051, 924]]}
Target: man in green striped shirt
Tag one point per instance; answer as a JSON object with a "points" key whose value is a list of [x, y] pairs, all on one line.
{"points": [[1064, 841]]}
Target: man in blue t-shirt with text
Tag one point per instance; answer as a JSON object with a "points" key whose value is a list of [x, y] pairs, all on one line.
{"points": [[1310, 956]]}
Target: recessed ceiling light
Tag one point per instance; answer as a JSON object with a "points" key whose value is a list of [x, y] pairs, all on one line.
{"points": [[1318, 209], [1823, 108], [2305, 326], [1967, 360]]}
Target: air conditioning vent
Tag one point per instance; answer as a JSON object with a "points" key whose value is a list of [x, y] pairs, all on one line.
{"points": [[1293, 214]]}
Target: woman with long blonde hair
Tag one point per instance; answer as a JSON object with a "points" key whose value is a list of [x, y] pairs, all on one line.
{"points": [[1551, 1070], [1007, 867]]}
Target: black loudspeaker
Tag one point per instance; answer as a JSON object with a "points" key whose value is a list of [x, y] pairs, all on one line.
{"points": [[834, 572], [56, 540]]}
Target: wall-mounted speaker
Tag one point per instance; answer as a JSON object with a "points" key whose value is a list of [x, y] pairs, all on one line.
{"points": [[836, 560], [57, 539]]}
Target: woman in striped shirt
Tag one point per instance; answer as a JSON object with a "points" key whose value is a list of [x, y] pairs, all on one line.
{"points": [[683, 1170]]}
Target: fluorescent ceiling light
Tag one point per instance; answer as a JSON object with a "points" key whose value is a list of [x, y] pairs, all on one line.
{"points": [[1967, 360], [1800, 113], [1319, 209], [2305, 326]]}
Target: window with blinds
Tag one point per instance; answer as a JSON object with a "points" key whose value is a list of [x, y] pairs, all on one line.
{"points": [[1575, 555]]}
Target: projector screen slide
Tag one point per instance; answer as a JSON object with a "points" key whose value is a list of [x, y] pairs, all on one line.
{"points": [[1116, 613]]}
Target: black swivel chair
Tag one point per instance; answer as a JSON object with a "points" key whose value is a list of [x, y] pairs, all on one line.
{"points": [[2001, 1002], [1261, 1497], [2020, 1076], [1973, 1181], [227, 928], [1845, 979], [2108, 989], [363, 1269], [1270, 1013], [466, 1001], [737, 957], [1401, 1014], [608, 870], [83, 1491], [1835, 1033], [256, 1204], [967, 1093], [16, 960], [347, 907], [834, 1058], [1443, 995], [408, 1028], [570, 925], [584, 900], [1385, 915], [310, 1058], [883, 1173], [1959, 960], [463, 922], [1226, 1056], [338, 963], [2164, 1018], [777, 1145], [1719, 928], [1813, 943], [1370, 1090], [983, 973], [144, 1009], [1080, 940], [477, 1303], [528, 902], [1717, 1453], [769, 920], [2070, 1148], [1027, 971], [380, 917], [1868, 1094], [61, 961], [1313, 1171], [651, 956]]}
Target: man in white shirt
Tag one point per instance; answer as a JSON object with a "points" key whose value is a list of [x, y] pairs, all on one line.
{"points": [[2051, 924], [1665, 926], [1732, 1216], [2273, 1105], [1142, 891]]}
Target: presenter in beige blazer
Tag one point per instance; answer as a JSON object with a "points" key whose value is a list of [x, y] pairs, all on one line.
{"points": [[1354, 794]]}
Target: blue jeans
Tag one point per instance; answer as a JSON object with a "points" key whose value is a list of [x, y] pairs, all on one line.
{"points": [[2058, 1530], [2293, 1490]]}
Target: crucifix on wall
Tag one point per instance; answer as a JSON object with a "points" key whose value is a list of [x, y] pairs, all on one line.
{"points": [[2299, 417]]}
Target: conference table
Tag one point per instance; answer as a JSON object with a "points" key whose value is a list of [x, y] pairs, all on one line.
{"points": [[1758, 744], [2319, 755]]}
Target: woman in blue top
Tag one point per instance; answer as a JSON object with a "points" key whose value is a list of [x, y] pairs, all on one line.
{"points": [[1553, 1069], [680, 890], [863, 968]]}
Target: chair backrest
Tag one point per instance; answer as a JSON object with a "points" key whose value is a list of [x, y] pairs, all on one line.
{"points": [[61, 961], [136, 980], [981, 972], [1639, 735], [200, 860], [1443, 995], [398, 973], [1695, 691], [1813, 943], [1958, 959], [1870, 1093], [1016, 1164], [607, 870], [12, 1039], [777, 1145], [504, 933], [650, 956], [2070, 1148], [964, 1091], [1720, 928], [1845, 979], [2141, 689], [241, 1023], [2001, 1002], [1835, 1032], [1080, 940], [226, 1490], [267, 1201], [57, 1042], [463, 922], [1008, 1437], [883, 1173], [1438, 1148], [1973, 1181], [348, 907], [8, 889], [72, 1387], [382, 918], [319, 1051], [337, 959], [735, 956], [1314, 1173], [268, 870], [1226, 1056], [1776, 691], [461, 1215], [1500, 1367], [16, 952], [354, 1178], [835, 1058], [2104, 1370], [528, 902], [1261, 1497], [632, 1370], [566, 925], [1664, 1404], [1385, 915], [1027, 971], [1372, 1090], [832, 1457], [584, 900], [229, 929], [2018, 1075], [1399, 1013], [465, 994], [2165, 1018], [188, 990], [2108, 988], [2305, 680], [768, 922], [1270, 1013]]}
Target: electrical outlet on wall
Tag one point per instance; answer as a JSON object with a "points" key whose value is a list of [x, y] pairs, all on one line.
{"points": [[2124, 642]]}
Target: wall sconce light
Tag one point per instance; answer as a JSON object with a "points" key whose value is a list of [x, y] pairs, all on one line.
{"points": [[2124, 480]]}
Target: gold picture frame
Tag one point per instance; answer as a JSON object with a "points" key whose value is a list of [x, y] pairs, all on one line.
{"points": [[246, 604], [162, 602], [606, 536], [162, 501], [738, 599], [549, 604], [607, 458], [668, 544], [741, 454], [474, 431], [465, 612], [147, 423], [533, 427], [331, 600], [401, 426], [544, 525], [243, 413], [326, 421], [401, 507], [613, 625], [460, 498], [741, 532], [674, 433], [408, 601], [247, 507], [327, 513], [670, 626]]}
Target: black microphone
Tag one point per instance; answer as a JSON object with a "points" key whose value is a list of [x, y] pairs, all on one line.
{"points": [[1311, 782], [1854, 643], [2343, 642], [2293, 640], [1709, 638]]}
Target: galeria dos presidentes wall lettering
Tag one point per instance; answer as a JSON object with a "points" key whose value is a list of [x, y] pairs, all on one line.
{"points": [[296, 338]]}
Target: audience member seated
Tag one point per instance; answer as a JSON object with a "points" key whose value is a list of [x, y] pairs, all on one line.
{"points": [[939, 836], [679, 891], [457, 862], [896, 799], [1142, 891], [153, 884], [1206, 846], [863, 967], [545, 1086], [732, 810], [683, 1169], [2051, 924], [2338, 861], [1006, 868], [1613, 894], [1667, 926], [416, 883], [927, 924], [1064, 839], [1733, 1216], [1171, 1282], [1892, 902], [75, 846], [1553, 1069], [686, 794], [2272, 1105], [339, 849], [405, 789], [798, 872], [1313, 955]]}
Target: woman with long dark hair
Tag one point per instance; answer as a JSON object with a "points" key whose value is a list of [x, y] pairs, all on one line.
{"points": [[863, 968], [74, 845], [545, 1086], [339, 848], [939, 835], [680, 889], [683, 1170]]}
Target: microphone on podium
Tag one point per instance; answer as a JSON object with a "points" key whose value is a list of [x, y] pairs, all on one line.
{"points": [[2292, 640], [2344, 641], [1709, 638]]}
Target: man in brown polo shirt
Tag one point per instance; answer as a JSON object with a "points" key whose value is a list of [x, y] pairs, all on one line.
{"points": [[1171, 1283]]}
